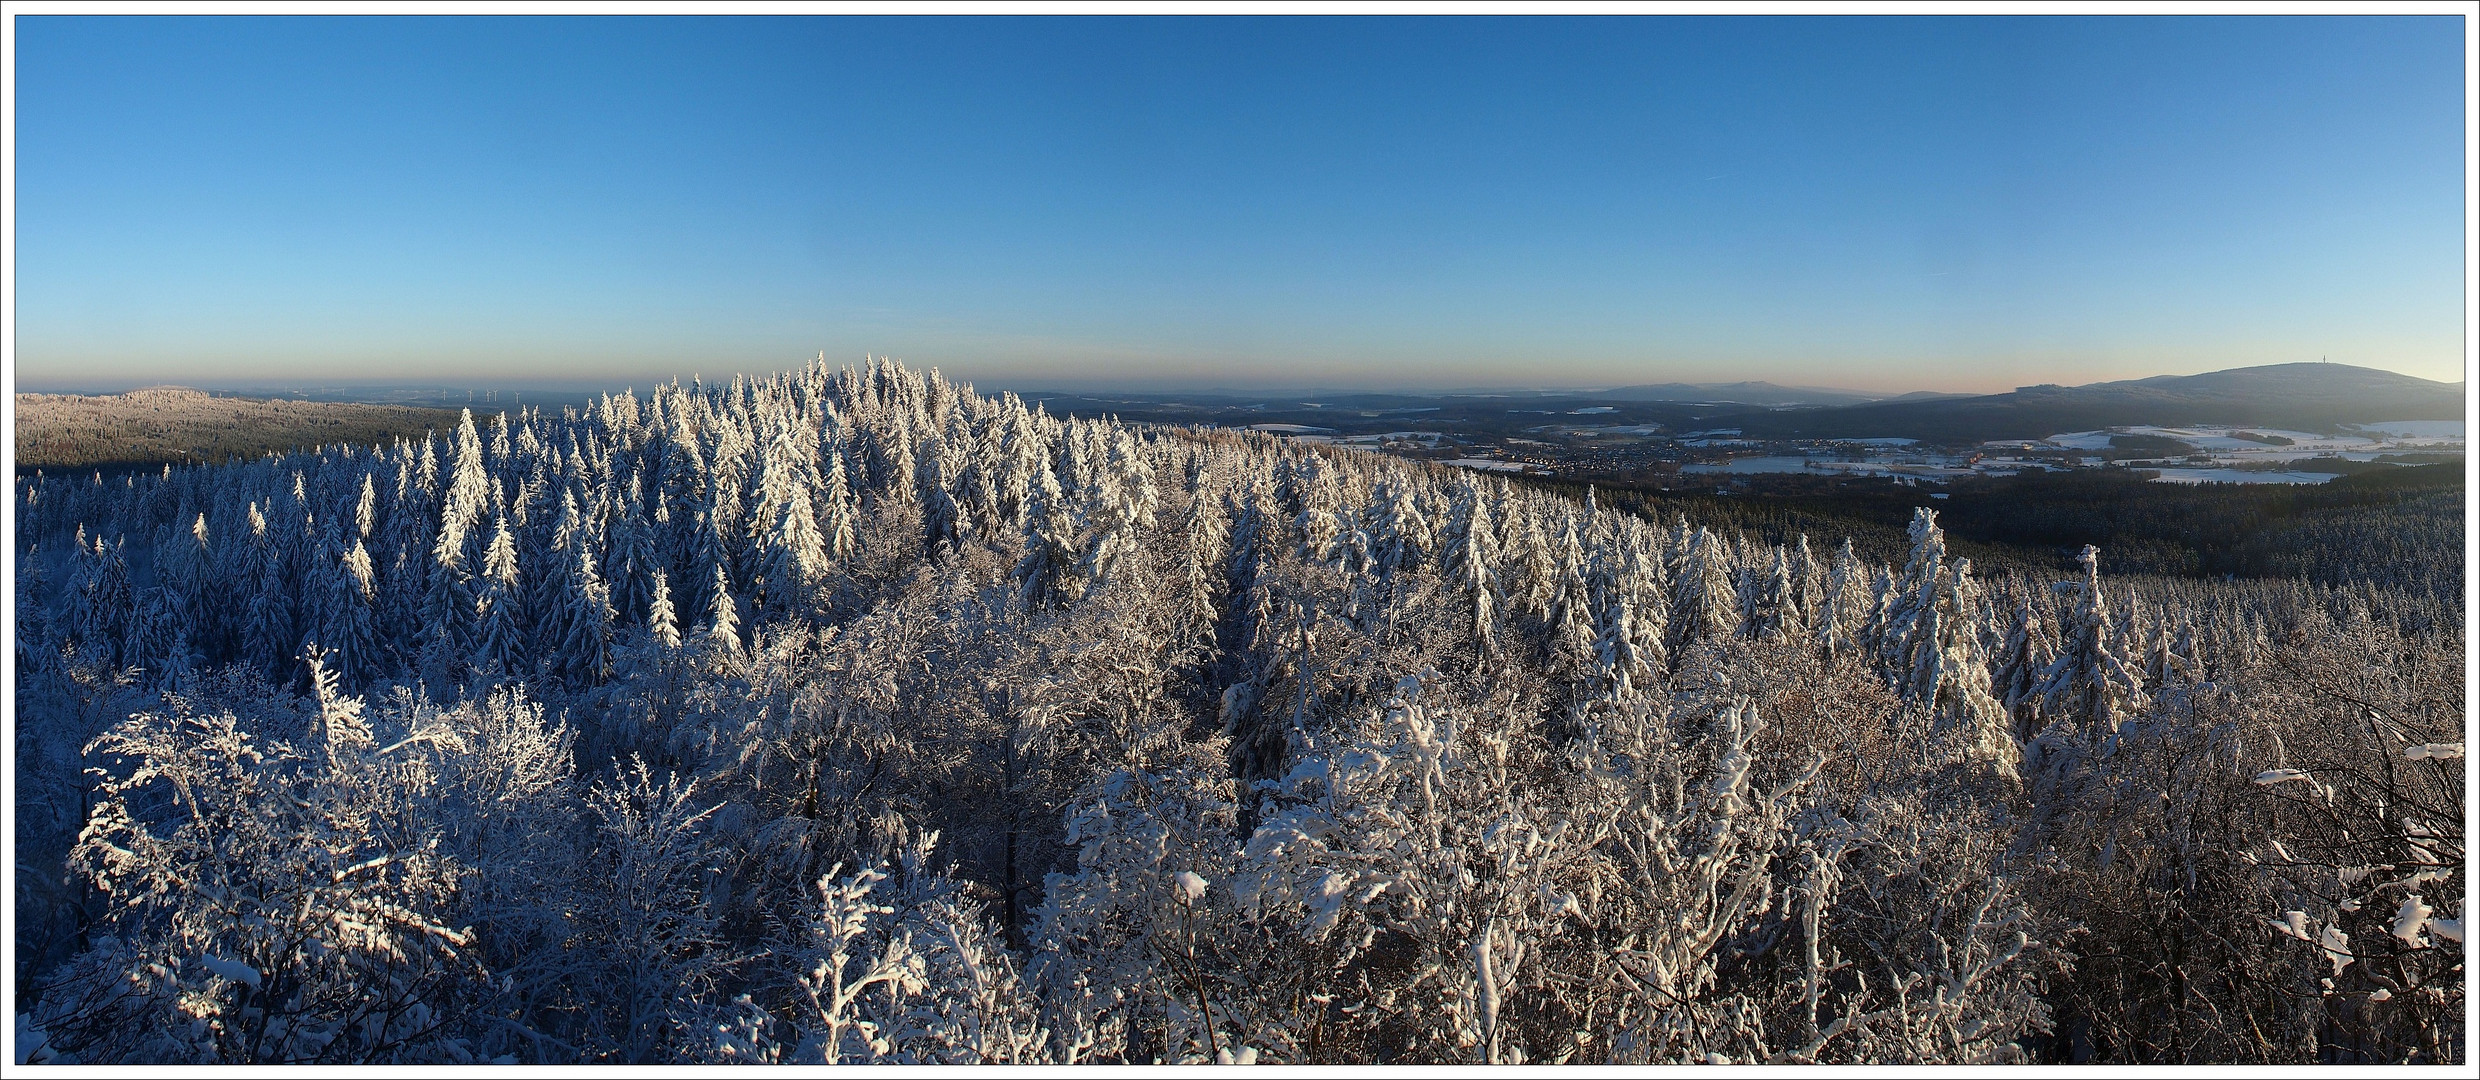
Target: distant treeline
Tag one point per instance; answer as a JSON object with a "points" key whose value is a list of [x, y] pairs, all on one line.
{"points": [[2399, 526], [175, 425]]}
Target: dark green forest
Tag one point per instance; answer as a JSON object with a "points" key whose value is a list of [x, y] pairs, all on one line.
{"points": [[2399, 526]]}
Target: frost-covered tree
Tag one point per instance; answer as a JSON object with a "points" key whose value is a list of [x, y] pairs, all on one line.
{"points": [[1932, 646], [583, 650], [662, 620], [349, 617], [1047, 570], [1705, 605], [500, 636], [272, 900], [1471, 556], [2092, 687]]}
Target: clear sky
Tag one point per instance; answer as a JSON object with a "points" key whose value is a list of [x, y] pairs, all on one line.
{"points": [[1880, 203]]}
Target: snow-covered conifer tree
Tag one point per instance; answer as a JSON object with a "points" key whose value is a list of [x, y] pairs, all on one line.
{"points": [[1471, 556], [792, 554], [1046, 571], [630, 564], [1572, 613], [662, 620], [500, 634], [1932, 647], [2023, 659], [723, 620], [2093, 685], [836, 536], [348, 629], [1704, 605], [584, 651], [1202, 579]]}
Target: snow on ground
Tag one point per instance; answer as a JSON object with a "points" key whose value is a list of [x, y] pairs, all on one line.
{"points": [[1427, 438], [1892, 468], [2220, 438], [2419, 429], [1751, 465], [1292, 429], [1491, 464], [2227, 446], [2082, 440], [2238, 476], [2314, 440], [2203, 441], [1593, 431]]}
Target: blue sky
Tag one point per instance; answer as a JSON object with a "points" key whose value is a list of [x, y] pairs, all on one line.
{"points": [[1891, 204]]}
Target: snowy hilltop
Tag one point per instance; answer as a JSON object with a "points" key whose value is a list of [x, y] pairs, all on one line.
{"points": [[851, 715]]}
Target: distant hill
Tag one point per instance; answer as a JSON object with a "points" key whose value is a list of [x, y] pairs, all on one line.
{"points": [[1743, 393], [175, 425], [2311, 397]]}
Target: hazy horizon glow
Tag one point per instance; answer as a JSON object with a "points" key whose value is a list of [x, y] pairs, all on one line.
{"points": [[1885, 204]]}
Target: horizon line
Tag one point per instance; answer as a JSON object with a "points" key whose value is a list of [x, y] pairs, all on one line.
{"points": [[1065, 385]]}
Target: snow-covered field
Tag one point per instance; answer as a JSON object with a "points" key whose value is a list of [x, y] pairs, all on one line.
{"points": [[2419, 429], [1752, 465], [2081, 440], [2239, 476], [2227, 446], [1425, 439], [1894, 468]]}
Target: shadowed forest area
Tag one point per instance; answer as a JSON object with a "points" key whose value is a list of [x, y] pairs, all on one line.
{"points": [[851, 715], [2395, 525]]}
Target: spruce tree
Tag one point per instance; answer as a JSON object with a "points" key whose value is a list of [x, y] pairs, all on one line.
{"points": [[1471, 556], [1045, 573], [351, 629], [2093, 686], [662, 622], [1704, 605], [722, 633], [1202, 578], [585, 631], [500, 638], [1932, 647]]}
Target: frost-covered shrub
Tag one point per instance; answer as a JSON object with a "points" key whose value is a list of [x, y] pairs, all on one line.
{"points": [[896, 965], [271, 900], [1132, 953], [2260, 845]]}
